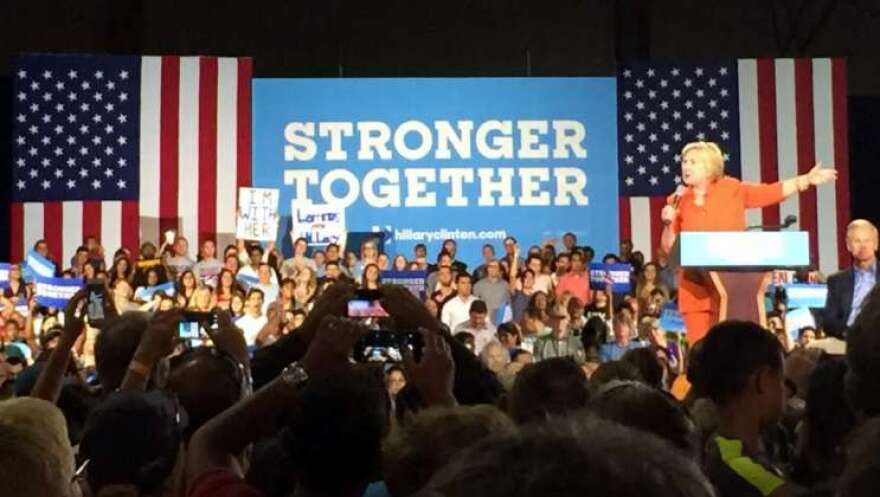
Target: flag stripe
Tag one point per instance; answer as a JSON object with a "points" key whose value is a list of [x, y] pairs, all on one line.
{"points": [[130, 226], [767, 124], [91, 220], [640, 220], [625, 210], [111, 236], [72, 229], [656, 206], [207, 187], [188, 150], [244, 123], [841, 158], [806, 150], [786, 126], [17, 236], [32, 216], [750, 154], [826, 219], [227, 149], [150, 149], [168, 143], [53, 220]]}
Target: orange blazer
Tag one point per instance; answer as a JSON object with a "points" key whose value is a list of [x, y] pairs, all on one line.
{"points": [[724, 209]]}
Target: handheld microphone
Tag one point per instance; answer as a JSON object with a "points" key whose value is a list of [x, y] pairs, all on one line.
{"points": [[676, 197]]}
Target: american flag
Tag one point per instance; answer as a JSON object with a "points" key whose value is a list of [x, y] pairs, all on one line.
{"points": [[773, 118], [126, 147]]}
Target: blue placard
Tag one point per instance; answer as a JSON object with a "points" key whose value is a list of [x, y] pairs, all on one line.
{"points": [[601, 274], [147, 293], [247, 280], [671, 320], [4, 274], [429, 159], [414, 281], [55, 292], [37, 265], [804, 295]]}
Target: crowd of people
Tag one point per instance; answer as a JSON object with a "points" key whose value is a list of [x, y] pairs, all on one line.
{"points": [[526, 380]]}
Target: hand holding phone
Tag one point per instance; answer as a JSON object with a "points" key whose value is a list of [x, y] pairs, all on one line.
{"points": [[96, 302]]}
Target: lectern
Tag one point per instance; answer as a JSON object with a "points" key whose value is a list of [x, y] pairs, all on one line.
{"points": [[738, 265]]}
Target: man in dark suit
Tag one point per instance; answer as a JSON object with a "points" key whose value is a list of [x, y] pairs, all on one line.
{"points": [[847, 289]]}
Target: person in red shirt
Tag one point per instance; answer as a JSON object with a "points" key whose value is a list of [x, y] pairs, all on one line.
{"points": [[712, 201], [576, 280]]}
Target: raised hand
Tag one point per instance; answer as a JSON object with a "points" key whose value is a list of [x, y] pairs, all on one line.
{"points": [[230, 339], [409, 313], [160, 336], [433, 376], [332, 345], [74, 314], [819, 175]]}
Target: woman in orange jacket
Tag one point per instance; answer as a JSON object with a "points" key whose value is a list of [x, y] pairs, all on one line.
{"points": [[712, 201]]}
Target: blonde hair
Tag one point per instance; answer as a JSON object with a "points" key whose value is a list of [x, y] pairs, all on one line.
{"points": [[36, 458], [714, 159]]}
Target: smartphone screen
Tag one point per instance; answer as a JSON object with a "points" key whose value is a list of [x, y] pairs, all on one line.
{"points": [[377, 346], [384, 345], [95, 305], [363, 308], [190, 332]]}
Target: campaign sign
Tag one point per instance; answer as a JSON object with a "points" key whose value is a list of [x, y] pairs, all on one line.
{"points": [[55, 292], [4, 274], [804, 295], [414, 281], [319, 224], [618, 274], [257, 214], [146, 293], [426, 159], [671, 320]]}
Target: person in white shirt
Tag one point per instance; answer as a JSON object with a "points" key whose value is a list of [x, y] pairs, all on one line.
{"points": [[457, 309], [253, 319], [478, 326]]}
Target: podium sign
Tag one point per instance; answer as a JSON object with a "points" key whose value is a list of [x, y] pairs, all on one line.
{"points": [[739, 265], [745, 249]]}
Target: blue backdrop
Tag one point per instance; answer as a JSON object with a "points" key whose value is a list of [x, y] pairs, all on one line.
{"points": [[426, 159]]}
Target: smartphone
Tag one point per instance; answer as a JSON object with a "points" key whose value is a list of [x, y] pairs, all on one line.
{"points": [[95, 303], [383, 345], [195, 326]]}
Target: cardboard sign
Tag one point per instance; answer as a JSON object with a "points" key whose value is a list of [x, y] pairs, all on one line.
{"points": [[319, 224], [257, 214]]}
